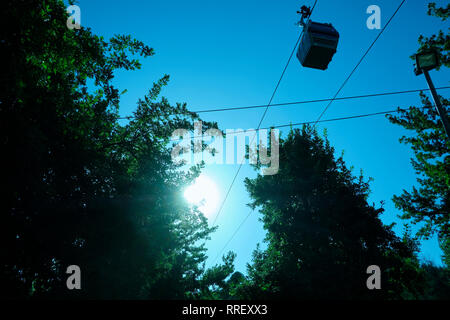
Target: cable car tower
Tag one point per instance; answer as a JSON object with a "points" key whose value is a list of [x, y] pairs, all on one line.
{"points": [[318, 43]]}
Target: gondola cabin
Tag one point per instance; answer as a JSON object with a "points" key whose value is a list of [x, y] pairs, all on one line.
{"points": [[318, 45]]}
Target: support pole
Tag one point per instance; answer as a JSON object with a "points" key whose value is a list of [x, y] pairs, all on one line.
{"points": [[437, 103]]}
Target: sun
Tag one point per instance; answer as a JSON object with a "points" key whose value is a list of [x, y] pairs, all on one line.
{"points": [[204, 194]]}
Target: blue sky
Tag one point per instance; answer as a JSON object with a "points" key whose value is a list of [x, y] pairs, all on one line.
{"points": [[231, 53]]}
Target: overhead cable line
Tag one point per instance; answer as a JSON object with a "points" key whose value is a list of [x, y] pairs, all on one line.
{"points": [[359, 62], [327, 120], [311, 122], [318, 100], [262, 118], [296, 124], [232, 236], [369, 95]]}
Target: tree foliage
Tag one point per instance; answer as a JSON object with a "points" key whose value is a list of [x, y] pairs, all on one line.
{"points": [[429, 203], [322, 234], [79, 186]]}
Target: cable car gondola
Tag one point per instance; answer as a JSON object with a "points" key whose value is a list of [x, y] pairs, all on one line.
{"points": [[318, 43]]}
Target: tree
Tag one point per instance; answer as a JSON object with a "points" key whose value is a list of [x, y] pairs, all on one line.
{"points": [[322, 234], [429, 203], [217, 284], [80, 186], [437, 282]]}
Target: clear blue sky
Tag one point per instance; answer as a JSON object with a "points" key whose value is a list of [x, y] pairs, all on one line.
{"points": [[231, 53]]}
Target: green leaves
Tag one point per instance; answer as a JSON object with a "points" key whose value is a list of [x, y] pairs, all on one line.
{"points": [[429, 204], [321, 232], [75, 175]]}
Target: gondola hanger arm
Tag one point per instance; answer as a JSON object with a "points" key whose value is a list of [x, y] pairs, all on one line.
{"points": [[305, 12]]}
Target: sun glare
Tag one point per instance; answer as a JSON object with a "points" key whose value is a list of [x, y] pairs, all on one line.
{"points": [[203, 193]]}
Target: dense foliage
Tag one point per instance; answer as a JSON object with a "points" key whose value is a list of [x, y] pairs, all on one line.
{"points": [[322, 234], [80, 187], [429, 203]]}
